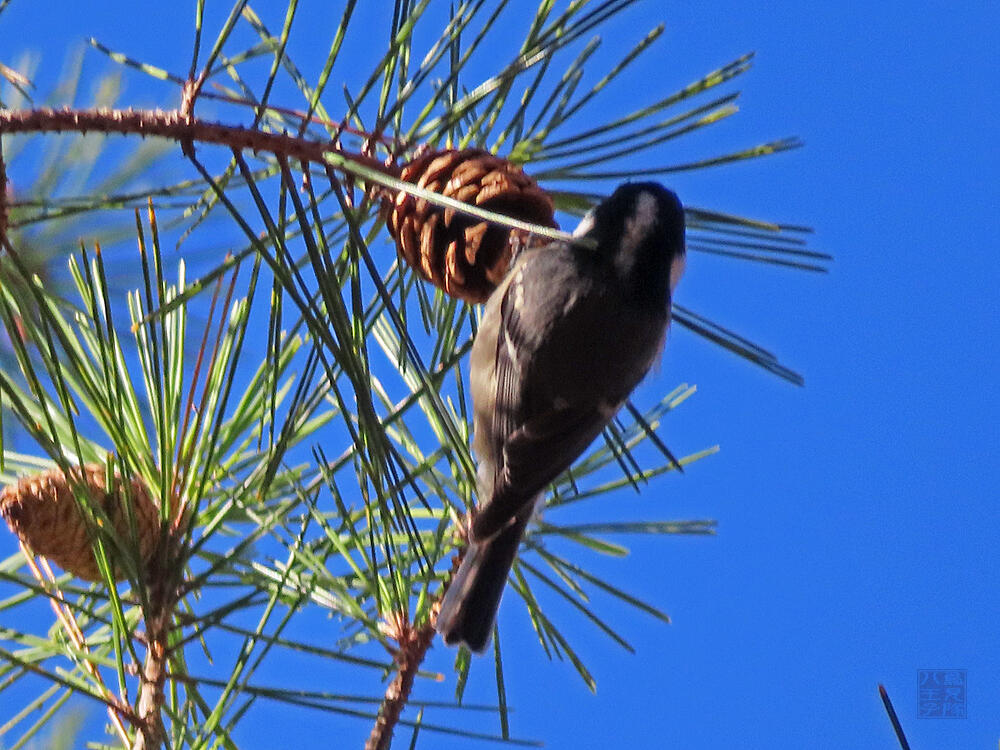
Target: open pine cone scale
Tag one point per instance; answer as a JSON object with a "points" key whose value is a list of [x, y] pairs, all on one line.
{"points": [[462, 255]]}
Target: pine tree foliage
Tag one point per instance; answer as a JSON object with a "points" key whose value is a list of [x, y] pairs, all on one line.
{"points": [[295, 396]]}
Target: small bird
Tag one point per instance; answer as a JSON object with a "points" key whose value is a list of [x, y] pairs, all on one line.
{"points": [[569, 333]]}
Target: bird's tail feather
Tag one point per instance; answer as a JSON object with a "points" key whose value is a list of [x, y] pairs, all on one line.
{"points": [[470, 606]]}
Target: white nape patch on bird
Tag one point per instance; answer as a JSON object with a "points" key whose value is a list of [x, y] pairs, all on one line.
{"points": [[677, 267], [585, 225], [637, 226]]}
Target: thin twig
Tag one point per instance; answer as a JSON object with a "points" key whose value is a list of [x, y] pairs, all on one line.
{"points": [[892, 717], [116, 707]]}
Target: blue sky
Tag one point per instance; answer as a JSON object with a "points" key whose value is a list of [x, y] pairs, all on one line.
{"points": [[857, 516]]}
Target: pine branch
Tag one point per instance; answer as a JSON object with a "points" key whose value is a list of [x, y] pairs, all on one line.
{"points": [[152, 734], [177, 126], [413, 645]]}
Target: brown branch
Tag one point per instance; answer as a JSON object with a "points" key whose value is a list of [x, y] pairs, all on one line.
{"points": [[179, 127], [151, 733], [413, 645], [158, 614]]}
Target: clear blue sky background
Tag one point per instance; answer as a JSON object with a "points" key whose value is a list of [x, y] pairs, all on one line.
{"points": [[857, 516]]}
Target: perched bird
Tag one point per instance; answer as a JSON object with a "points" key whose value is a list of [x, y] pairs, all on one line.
{"points": [[564, 339]]}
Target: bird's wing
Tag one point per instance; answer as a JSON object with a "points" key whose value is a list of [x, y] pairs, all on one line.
{"points": [[533, 436], [510, 357], [534, 455]]}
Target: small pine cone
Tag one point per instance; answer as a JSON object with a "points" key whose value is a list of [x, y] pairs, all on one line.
{"points": [[462, 255], [42, 511]]}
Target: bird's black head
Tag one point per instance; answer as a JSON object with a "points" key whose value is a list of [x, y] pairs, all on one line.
{"points": [[639, 229]]}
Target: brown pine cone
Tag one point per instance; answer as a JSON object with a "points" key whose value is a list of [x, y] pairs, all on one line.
{"points": [[42, 511], [462, 255]]}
